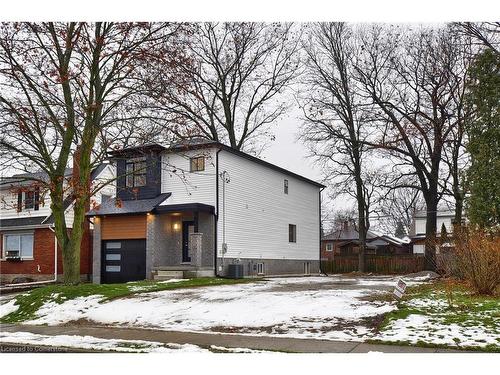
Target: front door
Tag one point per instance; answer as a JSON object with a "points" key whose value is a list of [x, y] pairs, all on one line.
{"points": [[187, 229]]}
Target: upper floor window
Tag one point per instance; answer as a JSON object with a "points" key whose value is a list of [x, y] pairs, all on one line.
{"points": [[28, 200], [285, 186], [197, 164], [136, 172], [18, 245], [292, 233], [329, 247]]}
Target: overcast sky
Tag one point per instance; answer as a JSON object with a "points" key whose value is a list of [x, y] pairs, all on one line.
{"points": [[288, 152]]}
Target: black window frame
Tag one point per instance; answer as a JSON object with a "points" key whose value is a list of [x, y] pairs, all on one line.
{"points": [[135, 171], [29, 200], [292, 233], [25, 203], [285, 186], [194, 164]]}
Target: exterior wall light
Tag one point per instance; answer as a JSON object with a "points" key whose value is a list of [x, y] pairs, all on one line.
{"points": [[176, 226]]}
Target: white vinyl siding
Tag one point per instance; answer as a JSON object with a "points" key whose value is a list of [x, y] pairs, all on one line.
{"points": [[258, 214], [187, 186], [8, 206], [447, 223], [8, 200]]}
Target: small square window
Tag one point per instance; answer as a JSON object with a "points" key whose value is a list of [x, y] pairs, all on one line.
{"points": [[285, 186], [292, 233], [197, 164], [329, 247]]}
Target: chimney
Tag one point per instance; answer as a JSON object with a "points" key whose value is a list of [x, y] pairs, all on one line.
{"points": [[346, 225]]}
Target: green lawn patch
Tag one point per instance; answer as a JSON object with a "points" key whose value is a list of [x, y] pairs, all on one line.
{"points": [[31, 301]]}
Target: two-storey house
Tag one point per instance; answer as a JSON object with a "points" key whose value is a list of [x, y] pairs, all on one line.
{"points": [[28, 245], [195, 208], [417, 229]]}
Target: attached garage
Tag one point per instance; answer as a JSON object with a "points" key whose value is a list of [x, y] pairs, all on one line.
{"points": [[123, 248], [123, 260]]}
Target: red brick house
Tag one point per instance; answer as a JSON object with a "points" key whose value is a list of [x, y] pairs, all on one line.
{"points": [[345, 241], [27, 240]]}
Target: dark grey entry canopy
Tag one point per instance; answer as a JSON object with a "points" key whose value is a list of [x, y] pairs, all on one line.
{"points": [[142, 206]]}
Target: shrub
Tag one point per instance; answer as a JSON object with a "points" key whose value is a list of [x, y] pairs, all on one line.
{"points": [[478, 258]]}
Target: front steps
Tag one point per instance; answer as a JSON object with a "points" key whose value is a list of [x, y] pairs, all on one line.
{"points": [[183, 271]]}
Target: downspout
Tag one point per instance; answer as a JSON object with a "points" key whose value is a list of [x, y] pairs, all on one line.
{"points": [[320, 268], [216, 215], [55, 253]]}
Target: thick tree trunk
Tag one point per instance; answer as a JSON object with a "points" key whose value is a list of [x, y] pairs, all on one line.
{"points": [[430, 234], [361, 221]]}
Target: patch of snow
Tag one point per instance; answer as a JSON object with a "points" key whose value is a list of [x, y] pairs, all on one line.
{"points": [[53, 313], [416, 328], [8, 307], [94, 343], [264, 308]]}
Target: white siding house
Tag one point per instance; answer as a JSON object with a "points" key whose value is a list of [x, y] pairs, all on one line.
{"points": [[417, 233], [258, 212], [241, 211]]}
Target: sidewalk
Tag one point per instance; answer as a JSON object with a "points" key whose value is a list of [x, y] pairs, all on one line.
{"points": [[282, 344]]}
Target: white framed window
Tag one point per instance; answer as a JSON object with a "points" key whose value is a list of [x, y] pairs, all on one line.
{"points": [[329, 247], [418, 249], [260, 268], [285, 186], [18, 245], [307, 268]]}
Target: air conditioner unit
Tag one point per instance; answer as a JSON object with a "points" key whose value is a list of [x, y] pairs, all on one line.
{"points": [[12, 255]]}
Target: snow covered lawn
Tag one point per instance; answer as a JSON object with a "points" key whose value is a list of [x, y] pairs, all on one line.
{"points": [[428, 315], [333, 308]]}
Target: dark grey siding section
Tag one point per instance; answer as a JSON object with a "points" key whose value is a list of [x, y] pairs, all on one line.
{"points": [[153, 178]]}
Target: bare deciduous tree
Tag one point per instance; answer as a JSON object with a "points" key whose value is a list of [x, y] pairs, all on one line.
{"points": [[233, 84], [409, 77], [68, 90], [336, 126]]}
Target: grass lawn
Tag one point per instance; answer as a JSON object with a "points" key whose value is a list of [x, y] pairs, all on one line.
{"points": [[444, 315], [31, 301]]}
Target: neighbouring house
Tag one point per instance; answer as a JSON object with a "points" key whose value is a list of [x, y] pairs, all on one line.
{"points": [[27, 240], [345, 242], [417, 229], [197, 208]]}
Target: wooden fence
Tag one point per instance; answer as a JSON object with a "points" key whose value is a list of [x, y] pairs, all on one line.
{"points": [[384, 264]]}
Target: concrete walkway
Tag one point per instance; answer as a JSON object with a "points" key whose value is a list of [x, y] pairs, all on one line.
{"points": [[282, 344]]}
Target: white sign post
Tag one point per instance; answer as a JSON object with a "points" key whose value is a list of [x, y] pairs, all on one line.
{"points": [[400, 289]]}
